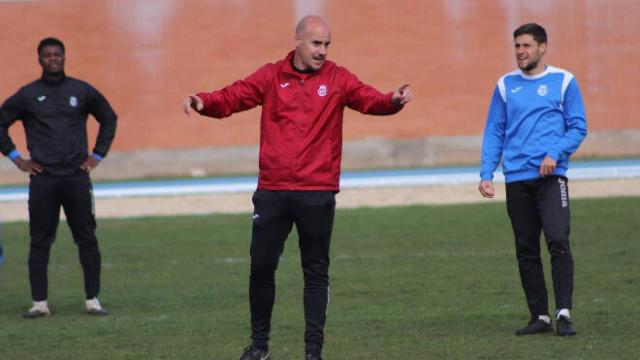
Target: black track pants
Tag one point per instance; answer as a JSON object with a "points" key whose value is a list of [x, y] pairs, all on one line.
{"points": [[75, 195], [274, 214], [536, 206]]}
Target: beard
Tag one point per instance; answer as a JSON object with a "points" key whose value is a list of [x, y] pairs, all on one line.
{"points": [[530, 66]]}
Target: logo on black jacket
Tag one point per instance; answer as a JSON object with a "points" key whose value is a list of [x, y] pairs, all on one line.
{"points": [[73, 101]]}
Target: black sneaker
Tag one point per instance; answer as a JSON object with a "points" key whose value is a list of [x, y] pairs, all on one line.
{"points": [[311, 357], [252, 353], [534, 327], [564, 327]]}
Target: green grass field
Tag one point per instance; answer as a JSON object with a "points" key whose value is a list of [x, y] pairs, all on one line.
{"points": [[413, 282]]}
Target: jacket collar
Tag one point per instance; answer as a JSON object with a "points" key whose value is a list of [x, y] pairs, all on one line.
{"points": [[50, 82], [288, 68]]}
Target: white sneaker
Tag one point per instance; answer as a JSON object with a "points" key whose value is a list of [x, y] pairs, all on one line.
{"points": [[38, 309], [563, 312], [93, 307]]}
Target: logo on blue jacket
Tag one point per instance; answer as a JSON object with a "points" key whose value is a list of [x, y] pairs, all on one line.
{"points": [[543, 90]]}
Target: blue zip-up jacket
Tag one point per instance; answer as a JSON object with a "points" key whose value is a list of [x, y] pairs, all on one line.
{"points": [[531, 117]]}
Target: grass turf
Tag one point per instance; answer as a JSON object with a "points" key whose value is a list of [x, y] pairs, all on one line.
{"points": [[407, 282]]}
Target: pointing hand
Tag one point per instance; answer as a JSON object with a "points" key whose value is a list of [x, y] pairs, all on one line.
{"points": [[402, 95], [192, 102]]}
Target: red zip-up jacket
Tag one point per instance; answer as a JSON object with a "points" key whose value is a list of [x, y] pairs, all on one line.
{"points": [[301, 122]]}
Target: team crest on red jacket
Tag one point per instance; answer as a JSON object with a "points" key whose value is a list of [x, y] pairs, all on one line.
{"points": [[322, 90]]}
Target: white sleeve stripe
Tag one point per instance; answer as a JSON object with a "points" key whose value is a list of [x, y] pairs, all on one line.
{"points": [[501, 85], [565, 81], [502, 89]]}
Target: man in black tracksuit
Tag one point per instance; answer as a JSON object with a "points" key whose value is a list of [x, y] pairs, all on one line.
{"points": [[54, 111]]}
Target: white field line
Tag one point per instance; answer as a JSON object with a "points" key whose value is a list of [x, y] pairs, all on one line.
{"points": [[347, 257]]}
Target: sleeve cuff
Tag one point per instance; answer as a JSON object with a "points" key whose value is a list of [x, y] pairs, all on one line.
{"points": [[396, 105], [97, 157], [486, 176], [14, 154]]}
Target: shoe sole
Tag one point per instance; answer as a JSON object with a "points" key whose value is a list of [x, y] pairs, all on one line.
{"points": [[567, 334], [96, 312], [34, 315], [534, 332]]}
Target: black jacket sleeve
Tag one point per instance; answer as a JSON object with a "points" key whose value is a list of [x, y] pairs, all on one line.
{"points": [[10, 111], [104, 114]]}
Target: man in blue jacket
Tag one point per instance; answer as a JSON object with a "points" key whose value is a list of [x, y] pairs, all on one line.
{"points": [[536, 121]]}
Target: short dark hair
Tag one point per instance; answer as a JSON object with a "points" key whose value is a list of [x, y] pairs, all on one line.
{"points": [[533, 29], [49, 42]]}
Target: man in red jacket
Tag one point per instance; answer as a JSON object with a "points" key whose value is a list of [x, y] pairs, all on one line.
{"points": [[303, 98]]}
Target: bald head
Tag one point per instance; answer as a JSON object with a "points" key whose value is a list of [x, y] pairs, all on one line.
{"points": [[309, 22], [313, 37]]}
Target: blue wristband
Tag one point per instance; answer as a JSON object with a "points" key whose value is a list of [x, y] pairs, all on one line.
{"points": [[97, 157], [14, 154]]}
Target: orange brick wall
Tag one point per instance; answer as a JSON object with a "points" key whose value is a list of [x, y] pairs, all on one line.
{"points": [[146, 55]]}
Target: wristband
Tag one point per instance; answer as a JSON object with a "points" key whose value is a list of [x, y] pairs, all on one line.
{"points": [[97, 157], [14, 154]]}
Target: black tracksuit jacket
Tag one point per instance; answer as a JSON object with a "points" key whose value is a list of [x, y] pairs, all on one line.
{"points": [[54, 116]]}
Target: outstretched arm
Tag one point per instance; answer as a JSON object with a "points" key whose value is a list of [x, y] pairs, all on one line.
{"points": [[240, 96], [368, 100]]}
